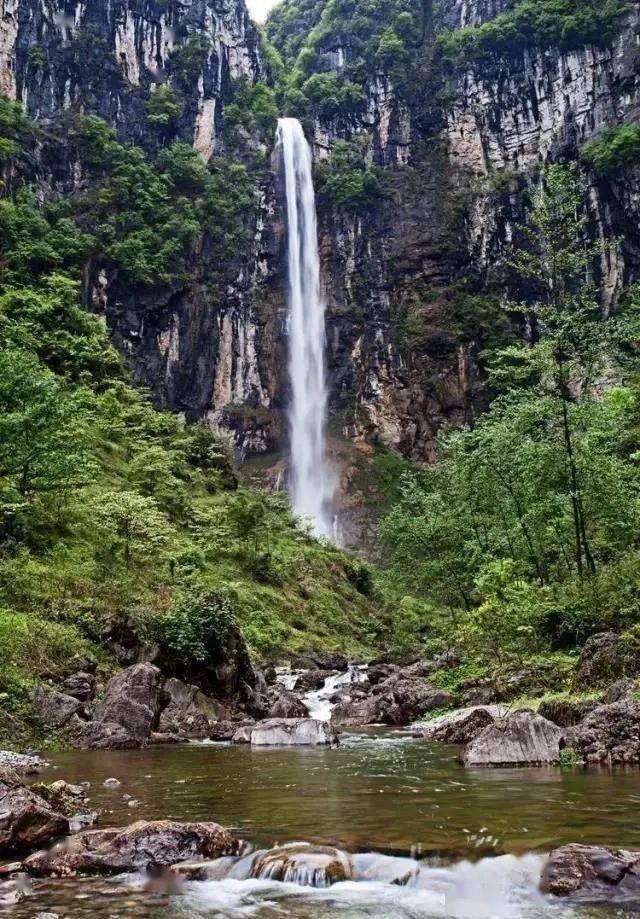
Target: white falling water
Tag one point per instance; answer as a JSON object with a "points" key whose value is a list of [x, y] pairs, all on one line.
{"points": [[311, 480]]}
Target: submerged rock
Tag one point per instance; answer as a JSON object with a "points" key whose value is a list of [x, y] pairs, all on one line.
{"points": [[460, 727], [299, 863], [143, 846], [577, 869], [522, 739], [286, 732]]}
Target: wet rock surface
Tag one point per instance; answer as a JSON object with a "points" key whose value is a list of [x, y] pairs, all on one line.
{"points": [[310, 866], [143, 846], [27, 820], [591, 870], [277, 732], [521, 739]]}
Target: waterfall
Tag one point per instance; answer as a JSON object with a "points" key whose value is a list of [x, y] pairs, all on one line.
{"points": [[311, 480]]}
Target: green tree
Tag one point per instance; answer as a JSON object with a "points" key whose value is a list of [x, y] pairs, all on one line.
{"points": [[132, 526], [42, 432]]}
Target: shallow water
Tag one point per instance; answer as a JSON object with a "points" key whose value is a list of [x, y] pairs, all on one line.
{"points": [[379, 792]]}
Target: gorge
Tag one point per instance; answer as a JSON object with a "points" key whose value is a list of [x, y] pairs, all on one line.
{"points": [[320, 459]]}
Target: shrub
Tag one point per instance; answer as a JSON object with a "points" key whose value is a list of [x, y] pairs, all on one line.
{"points": [[616, 150]]}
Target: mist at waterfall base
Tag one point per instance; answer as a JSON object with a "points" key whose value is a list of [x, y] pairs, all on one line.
{"points": [[312, 481]]}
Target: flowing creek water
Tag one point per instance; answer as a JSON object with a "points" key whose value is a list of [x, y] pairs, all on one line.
{"points": [[466, 843]]}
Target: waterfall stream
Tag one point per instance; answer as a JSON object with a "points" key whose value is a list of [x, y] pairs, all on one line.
{"points": [[311, 479]]}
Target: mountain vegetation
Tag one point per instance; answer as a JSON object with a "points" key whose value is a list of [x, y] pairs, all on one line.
{"points": [[122, 525]]}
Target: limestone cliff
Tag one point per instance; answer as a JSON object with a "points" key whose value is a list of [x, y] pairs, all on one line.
{"points": [[409, 271]]}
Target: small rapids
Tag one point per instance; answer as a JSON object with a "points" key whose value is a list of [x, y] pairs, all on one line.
{"points": [[379, 886], [318, 701]]}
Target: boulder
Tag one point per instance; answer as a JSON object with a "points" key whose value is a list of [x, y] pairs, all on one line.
{"points": [[460, 727], [566, 712], [371, 710], [27, 820], [311, 680], [378, 673], [54, 709], [521, 739], [81, 686], [413, 697], [127, 714], [307, 865], [610, 734], [187, 710], [331, 660], [591, 870], [286, 732], [607, 657], [143, 846], [303, 662], [225, 730], [286, 705], [478, 696], [619, 690], [449, 659], [105, 735]]}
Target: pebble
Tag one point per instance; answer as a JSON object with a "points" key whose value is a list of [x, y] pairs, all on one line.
{"points": [[111, 783]]}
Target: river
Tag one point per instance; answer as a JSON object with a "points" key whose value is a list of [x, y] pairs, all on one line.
{"points": [[478, 837]]}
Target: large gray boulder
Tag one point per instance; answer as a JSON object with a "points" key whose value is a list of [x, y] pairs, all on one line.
{"points": [[460, 727], [27, 820], [521, 739], [54, 709], [128, 713], [286, 732], [371, 710], [610, 734], [287, 705], [187, 711], [143, 846], [21, 763], [593, 871]]}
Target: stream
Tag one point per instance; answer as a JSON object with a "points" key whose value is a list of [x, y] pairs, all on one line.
{"points": [[464, 843]]}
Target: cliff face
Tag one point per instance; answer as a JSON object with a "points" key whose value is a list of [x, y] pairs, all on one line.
{"points": [[458, 157], [198, 346], [454, 151]]}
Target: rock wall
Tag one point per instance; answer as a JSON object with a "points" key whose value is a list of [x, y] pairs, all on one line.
{"points": [[401, 359]]}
